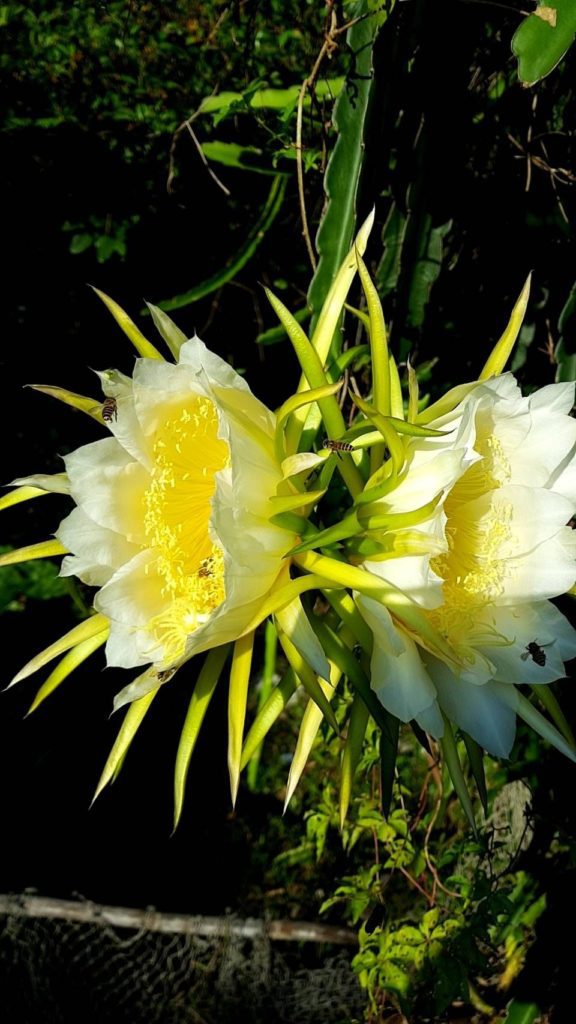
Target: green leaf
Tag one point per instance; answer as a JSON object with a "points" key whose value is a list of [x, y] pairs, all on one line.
{"points": [[564, 353], [267, 216], [344, 168], [521, 1013], [543, 38]]}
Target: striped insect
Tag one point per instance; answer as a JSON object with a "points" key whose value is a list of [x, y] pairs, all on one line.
{"points": [[337, 446], [109, 410], [536, 652]]}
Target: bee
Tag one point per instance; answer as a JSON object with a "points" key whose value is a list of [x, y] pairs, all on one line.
{"points": [[337, 446], [206, 568], [536, 652], [109, 410], [165, 674]]}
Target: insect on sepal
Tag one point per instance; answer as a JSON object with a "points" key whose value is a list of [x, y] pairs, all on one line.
{"points": [[337, 446]]}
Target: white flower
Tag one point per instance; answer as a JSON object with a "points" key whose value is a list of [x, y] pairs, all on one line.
{"points": [[505, 500], [172, 517]]}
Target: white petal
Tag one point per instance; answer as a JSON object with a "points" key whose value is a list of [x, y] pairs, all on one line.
{"points": [[58, 483], [431, 721], [547, 572], [98, 551], [398, 676], [478, 710], [554, 398], [109, 485], [539, 623]]}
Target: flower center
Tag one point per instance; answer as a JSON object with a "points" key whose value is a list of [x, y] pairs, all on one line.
{"points": [[472, 569], [187, 454]]}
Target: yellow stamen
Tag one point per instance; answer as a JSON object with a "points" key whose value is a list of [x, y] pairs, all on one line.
{"points": [[472, 569], [187, 455]]}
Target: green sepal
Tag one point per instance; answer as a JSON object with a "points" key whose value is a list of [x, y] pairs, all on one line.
{"points": [[267, 715], [476, 759], [452, 762], [357, 726], [388, 756]]}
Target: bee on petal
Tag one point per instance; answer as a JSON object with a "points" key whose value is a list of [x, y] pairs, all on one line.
{"points": [[109, 410], [536, 651]]}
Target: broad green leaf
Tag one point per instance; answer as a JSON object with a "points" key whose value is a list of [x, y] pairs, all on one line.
{"points": [[237, 697], [201, 697], [272, 99], [521, 1013], [254, 238], [543, 38]]}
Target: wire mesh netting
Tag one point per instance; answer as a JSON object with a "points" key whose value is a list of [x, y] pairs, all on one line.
{"points": [[58, 970]]}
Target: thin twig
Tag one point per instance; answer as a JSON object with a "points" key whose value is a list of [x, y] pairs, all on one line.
{"points": [[187, 124]]}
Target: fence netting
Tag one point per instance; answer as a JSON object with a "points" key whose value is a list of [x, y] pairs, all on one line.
{"points": [[56, 970]]}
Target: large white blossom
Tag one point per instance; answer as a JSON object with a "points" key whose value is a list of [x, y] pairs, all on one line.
{"points": [[501, 547], [172, 512]]}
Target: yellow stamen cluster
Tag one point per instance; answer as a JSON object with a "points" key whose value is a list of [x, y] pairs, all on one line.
{"points": [[187, 454], [472, 569]]}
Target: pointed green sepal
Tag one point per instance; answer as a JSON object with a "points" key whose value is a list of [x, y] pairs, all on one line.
{"points": [[476, 759], [167, 330], [91, 406], [388, 755], [65, 666], [357, 726], [143, 347], [237, 698], [44, 549], [452, 762], [501, 352], [270, 711], [132, 722], [308, 679], [201, 696]]}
